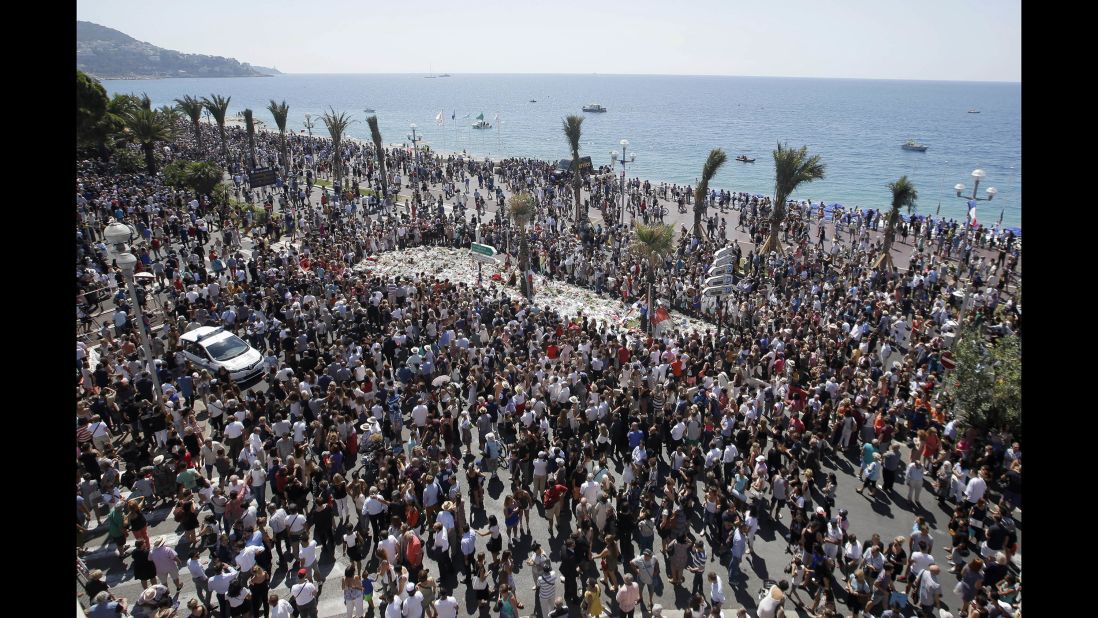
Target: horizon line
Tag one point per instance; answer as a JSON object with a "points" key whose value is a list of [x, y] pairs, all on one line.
{"points": [[882, 79]]}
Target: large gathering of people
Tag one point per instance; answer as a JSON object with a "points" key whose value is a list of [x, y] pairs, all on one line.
{"points": [[451, 445]]}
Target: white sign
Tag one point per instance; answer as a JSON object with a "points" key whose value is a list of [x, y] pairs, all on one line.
{"points": [[728, 269], [717, 291], [722, 280]]}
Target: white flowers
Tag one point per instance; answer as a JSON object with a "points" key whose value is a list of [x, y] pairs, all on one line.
{"points": [[568, 300]]}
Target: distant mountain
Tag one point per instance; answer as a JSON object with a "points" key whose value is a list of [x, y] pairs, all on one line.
{"points": [[109, 54]]}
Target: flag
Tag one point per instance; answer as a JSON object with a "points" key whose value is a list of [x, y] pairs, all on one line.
{"points": [[454, 115], [972, 213], [660, 315], [438, 119]]}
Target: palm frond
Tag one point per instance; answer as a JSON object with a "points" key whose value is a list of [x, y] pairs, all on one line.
{"points": [[280, 112], [218, 107], [521, 206], [713, 162], [190, 106], [904, 194], [573, 130], [654, 242]]}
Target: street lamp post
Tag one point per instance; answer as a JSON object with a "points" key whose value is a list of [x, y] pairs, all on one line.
{"points": [[624, 159], [119, 234], [977, 176]]}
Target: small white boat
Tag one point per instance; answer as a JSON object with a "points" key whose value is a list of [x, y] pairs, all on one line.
{"points": [[914, 146], [369, 110], [481, 123], [594, 108], [974, 111]]}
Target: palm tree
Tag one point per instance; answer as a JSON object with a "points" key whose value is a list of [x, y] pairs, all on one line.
{"points": [[192, 107], [218, 106], [375, 136], [904, 194], [521, 206], [146, 127], [170, 114], [713, 163], [791, 168], [653, 244], [281, 112], [249, 125], [337, 125], [573, 131]]}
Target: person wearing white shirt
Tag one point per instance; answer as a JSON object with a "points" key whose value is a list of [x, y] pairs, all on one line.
{"points": [[280, 608], [446, 606], [591, 489], [412, 607], [976, 487], [305, 593], [308, 557], [219, 585], [716, 590], [245, 560]]}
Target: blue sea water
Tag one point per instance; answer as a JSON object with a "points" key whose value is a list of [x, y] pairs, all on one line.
{"points": [[856, 126]]}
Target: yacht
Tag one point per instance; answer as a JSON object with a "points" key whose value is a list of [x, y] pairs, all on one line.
{"points": [[594, 107], [913, 145]]}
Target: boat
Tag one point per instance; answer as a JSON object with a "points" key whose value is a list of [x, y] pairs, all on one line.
{"points": [[913, 145], [533, 100], [594, 107], [481, 123], [445, 75], [974, 111], [369, 110], [429, 76], [745, 159]]}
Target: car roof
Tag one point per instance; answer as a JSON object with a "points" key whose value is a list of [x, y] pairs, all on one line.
{"points": [[201, 333]]}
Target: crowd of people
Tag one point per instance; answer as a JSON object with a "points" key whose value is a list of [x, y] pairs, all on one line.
{"points": [[389, 406]]}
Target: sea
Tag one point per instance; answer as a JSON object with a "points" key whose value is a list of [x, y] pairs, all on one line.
{"points": [[672, 122]]}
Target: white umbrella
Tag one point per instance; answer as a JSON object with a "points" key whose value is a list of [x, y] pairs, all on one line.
{"points": [[439, 381], [144, 275]]}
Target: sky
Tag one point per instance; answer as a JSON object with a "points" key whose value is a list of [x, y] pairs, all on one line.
{"points": [[955, 40]]}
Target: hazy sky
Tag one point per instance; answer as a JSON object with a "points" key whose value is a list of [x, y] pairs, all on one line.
{"points": [[969, 40]]}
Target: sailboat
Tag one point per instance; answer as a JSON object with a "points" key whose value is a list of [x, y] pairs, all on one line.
{"points": [[481, 123]]}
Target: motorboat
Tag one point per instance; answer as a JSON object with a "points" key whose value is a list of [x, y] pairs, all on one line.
{"points": [[481, 123], [913, 145], [369, 110], [745, 159], [445, 75], [533, 100], [594, 108], [974, 111]]}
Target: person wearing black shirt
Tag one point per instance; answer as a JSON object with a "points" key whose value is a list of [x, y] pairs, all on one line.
{"points": [[569, 568]]}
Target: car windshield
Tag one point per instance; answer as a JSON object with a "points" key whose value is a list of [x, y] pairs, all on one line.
{"points": [[229, 347]]}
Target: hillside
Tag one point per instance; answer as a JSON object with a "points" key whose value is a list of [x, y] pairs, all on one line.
{"points": [[109, 54]]}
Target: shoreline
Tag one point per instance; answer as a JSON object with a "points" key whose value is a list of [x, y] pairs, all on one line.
{"points": [[828, 207]]}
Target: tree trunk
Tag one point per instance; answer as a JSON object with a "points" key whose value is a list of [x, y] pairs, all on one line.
{"points": [[524, 260], [224, 146], [699, 210], [198, 134], [577, 186], [774, 243], [651, 310], [150, 159], [285, 158]]}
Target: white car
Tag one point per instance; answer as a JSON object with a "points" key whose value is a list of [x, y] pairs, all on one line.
{"points": [[212, 347]]}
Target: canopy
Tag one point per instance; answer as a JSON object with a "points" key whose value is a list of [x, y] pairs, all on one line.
{"points": [[481, 116]]}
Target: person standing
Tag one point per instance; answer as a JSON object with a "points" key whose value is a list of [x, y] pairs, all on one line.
{"points": [[628, 597], [546, 586], [167, 563], [647, 570], [304, 594], [199, 578], [891, 464], [914, 479]]}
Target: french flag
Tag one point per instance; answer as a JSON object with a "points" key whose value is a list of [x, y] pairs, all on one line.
{"points": [[972, 213]]}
